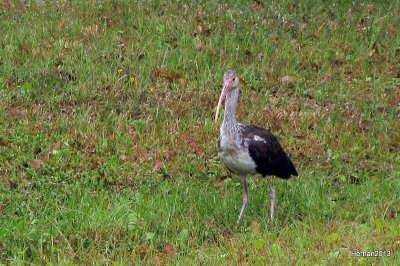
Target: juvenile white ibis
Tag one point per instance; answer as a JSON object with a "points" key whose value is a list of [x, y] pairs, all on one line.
{"points": [[249, 149]]}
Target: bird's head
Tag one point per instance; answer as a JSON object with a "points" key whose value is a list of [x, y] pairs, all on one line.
{"points": [[231, 81]]}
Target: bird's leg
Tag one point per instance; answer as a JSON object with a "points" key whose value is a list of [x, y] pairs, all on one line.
{"points": [[245, 198], [271, 197]]}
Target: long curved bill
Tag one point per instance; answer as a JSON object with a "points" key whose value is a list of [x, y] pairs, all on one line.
{"points": [[221, 99]]}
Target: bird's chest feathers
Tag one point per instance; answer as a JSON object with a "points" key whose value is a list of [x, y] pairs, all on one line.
{"points": [[235, 155]]}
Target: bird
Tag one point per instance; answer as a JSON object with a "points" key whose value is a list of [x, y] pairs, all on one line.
{"points": [[249, 149]]}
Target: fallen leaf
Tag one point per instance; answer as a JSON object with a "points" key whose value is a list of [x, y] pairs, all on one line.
{"points": [[169, 154], [362, 25], [157, 166], [37, 150], [371, 9], [169, 251], [375, 51], [286, 80], [276, 126], [199, 16], [122, 157], [91, 148], [182, 81], [198, 43], [95, 163], [35, 163], [258, 5], [169, 76], [157, 260], [133, 255], [363, 124], [144, 251], [202, 30], [2, 144], [199, 28], [240, 256], [91, 30]]}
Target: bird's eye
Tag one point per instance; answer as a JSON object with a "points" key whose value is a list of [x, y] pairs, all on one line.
{"points": [[234, 79]]}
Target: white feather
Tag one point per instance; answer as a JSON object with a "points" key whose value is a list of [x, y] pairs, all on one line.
{"points": [[236, 156]]}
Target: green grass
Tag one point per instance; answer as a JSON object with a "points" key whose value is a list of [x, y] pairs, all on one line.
{"points": [[107, 141]]}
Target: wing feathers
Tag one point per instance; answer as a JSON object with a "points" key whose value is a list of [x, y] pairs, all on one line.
{"points": [[267, 153]]}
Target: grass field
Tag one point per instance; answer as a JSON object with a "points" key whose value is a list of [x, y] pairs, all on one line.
{"points": [[107, 140]]}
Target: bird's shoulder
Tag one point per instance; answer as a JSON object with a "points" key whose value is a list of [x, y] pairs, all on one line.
{"points": [[257, 135]]}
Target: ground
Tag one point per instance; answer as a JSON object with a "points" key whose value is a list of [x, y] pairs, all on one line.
{"points": [[108, 146]]}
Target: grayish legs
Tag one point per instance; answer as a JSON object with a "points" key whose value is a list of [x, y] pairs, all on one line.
{"points": [[245, 198], [271, 197]]}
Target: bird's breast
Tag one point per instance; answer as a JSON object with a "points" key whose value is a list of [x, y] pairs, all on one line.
{"points": [[236, 156]]}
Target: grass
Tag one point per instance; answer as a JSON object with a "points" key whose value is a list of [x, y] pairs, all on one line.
{"points": [[107, 141]]}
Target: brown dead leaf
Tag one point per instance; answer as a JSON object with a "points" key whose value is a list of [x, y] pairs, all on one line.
{"points": [[169, 251], [397, 53], [200, 28], [276, 126], [72, 44], [35, 163], [363, 124], [122, 157], [286, 80], [37, 150], [95, 163], [393, 97], [257, 5], [371, 9], [375, 51], [157, 260], [157, 166], [91, 148], [56, 145], [195, 148], [133, 255], [198, 43], [91, 30], [144, 251], [274, 37], [169, 154], [200, 16], [240, 257], [182, 81], [17, 112], [2, 144], [332, 227], [362, 25], [169, 76]]}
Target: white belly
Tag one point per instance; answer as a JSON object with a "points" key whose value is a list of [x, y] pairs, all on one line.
{"points": [[236, 157]]}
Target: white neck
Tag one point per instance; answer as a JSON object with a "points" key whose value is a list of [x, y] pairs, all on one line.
{"points": [[230, 109]]}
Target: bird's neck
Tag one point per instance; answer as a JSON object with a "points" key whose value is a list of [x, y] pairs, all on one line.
{"points": [[230, 108]]}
